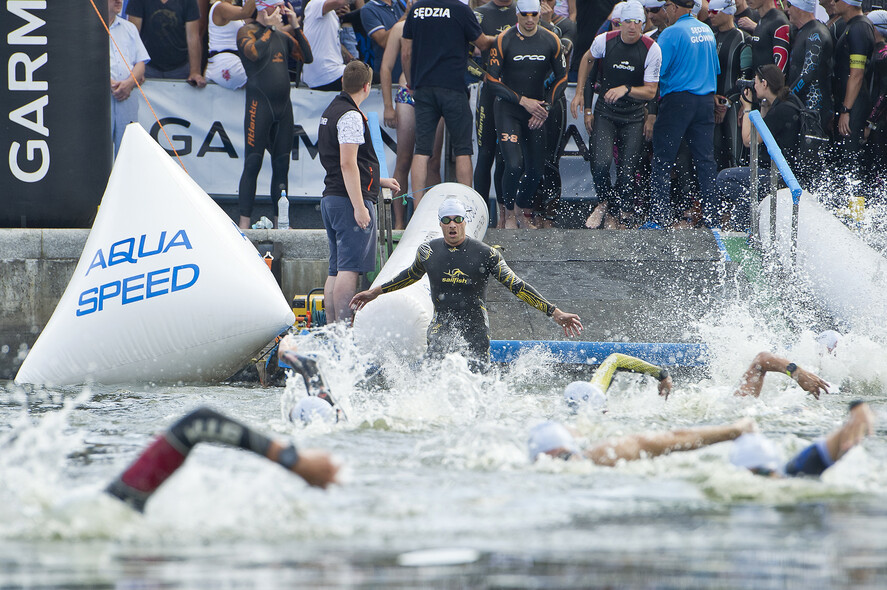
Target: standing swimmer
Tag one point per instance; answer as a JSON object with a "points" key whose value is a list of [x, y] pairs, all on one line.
{"points": [[268, 120], [458, 268], [522, 59]]}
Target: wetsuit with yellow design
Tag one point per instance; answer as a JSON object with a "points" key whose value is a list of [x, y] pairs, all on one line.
{"points": [[458, 277], [603, 376]]}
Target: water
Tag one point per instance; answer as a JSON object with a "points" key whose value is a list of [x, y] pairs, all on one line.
{"points": [[437, 490]]}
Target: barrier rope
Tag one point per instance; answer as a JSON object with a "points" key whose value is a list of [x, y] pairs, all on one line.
{"points": [[131, 75]]}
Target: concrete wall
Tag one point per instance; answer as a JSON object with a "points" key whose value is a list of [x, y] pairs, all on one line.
{"points": [[36, 265]]}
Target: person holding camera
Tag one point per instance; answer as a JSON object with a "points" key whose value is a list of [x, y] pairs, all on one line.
{"points": [[521, 60], [781, 112]]}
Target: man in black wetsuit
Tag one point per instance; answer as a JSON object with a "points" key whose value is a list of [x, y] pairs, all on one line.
{"points": [[772, 36], [853, 53], [458, 268], [494, 17], [263, 46], [734, 54], [810, 66], [520, 62]]}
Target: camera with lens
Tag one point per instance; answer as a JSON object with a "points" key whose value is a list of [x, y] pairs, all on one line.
{"points": [[741, 85]]}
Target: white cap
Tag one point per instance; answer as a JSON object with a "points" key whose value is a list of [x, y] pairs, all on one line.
{"points": [[548, 436], [313, 408], [585, 395], [616, 14], [725, 6], [454, 207], [754, 451], [263, 4], [528, 6], [654, 3], [805, 5], [879, 19], [697, 6], [828, 340], [633, 10]]}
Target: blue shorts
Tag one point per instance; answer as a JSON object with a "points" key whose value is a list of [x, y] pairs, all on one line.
{"points": [[811, 461], [351, 248]]}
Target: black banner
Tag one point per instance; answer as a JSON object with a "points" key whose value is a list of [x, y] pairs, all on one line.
{"points": [[55, 127]]}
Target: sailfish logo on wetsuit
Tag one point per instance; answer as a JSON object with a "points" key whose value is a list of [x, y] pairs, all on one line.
{"points": [[455, 276]]}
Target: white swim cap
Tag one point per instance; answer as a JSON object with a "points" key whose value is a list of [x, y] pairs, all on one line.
{"points": [[616, 14], [528, 6], [582, 394], [633, 10], [828, 340], [726, 6], [754, 451], [452, 207], [548, 436], [313, 408]]}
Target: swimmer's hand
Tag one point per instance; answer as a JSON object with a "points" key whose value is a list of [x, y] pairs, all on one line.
{"points": [[568, 321], [360, 300], [810, 383], [316, 467], [665, 387]]}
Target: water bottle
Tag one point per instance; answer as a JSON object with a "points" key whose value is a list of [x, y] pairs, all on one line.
{"points": [[283, 210]]}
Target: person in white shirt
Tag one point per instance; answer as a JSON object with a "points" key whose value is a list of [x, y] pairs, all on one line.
{"points": [[125, 37], [321, 26], [225, 19]]}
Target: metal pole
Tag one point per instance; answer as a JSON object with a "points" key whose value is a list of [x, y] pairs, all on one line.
{"points": [[753, 178]]}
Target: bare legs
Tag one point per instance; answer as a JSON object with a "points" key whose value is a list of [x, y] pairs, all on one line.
{"points": [[337, 294]]}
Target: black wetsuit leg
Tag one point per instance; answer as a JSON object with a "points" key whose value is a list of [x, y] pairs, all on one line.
{"points": [[603, 138], [485, 125], [524, 152], [629, 143], [266, 127], [548, 195], [468, 335]]}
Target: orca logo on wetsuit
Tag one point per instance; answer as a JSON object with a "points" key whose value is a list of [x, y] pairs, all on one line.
{"points": [[530, 57]]}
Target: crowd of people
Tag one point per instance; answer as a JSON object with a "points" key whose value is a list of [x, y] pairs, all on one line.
{"points": [[665, 87]]}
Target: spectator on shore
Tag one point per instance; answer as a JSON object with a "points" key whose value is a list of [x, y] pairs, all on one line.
{"points": [[434, 55], [171, 34], [125, 37], [628, 69], [589, 16], [810, 66], [351, 189], [225, 19], [875, 133], [657, 20], [781, 112], [378, 16], [268, 113], [400, 114], [322, 31], [687, 84]]}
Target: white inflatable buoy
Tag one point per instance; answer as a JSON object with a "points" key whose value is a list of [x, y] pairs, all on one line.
{"points": [[395, 323], [167, 289]]}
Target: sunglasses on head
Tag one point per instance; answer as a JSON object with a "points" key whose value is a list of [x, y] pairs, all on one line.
{"points": [[447, 219], [529, 14]]}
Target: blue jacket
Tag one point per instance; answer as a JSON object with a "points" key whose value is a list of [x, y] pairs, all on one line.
{"points": [[689, 58]]}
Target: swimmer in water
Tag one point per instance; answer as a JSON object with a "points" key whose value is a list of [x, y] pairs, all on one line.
{"points": [[751, 450], [319, 403], [593, 393], [168, 452], [458, 268]]}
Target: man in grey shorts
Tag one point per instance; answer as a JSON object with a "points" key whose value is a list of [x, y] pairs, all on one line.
{"points": [[351, 189]]}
